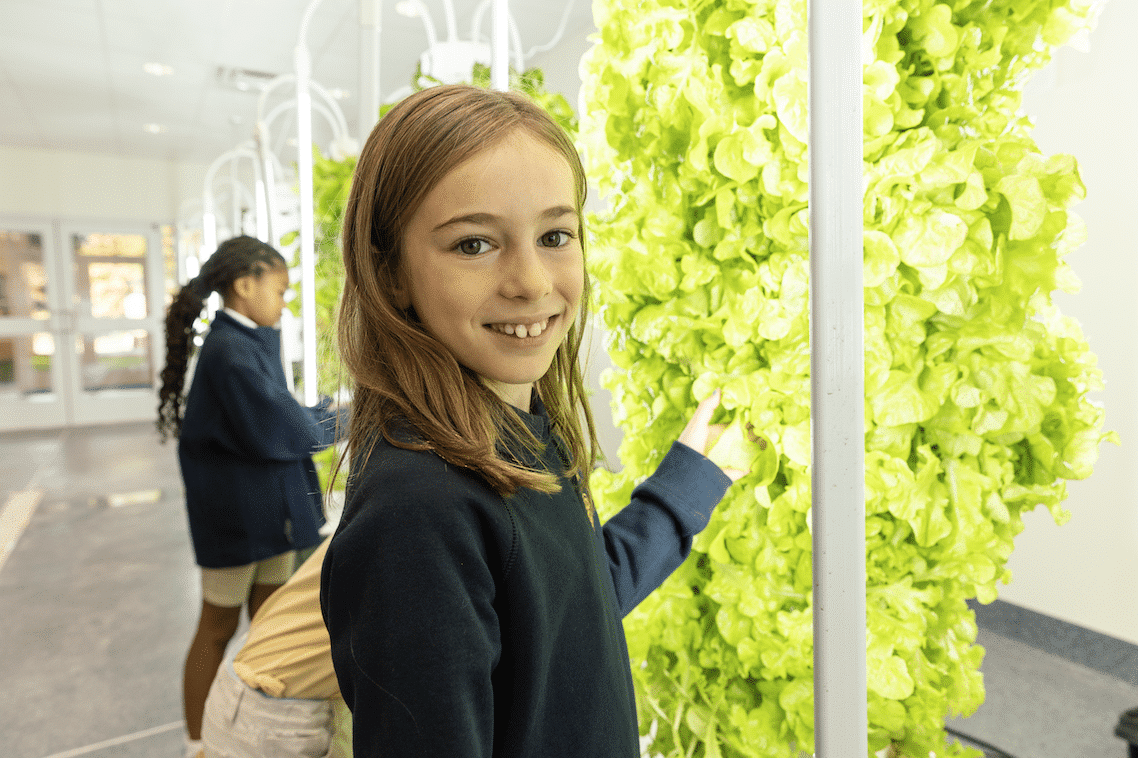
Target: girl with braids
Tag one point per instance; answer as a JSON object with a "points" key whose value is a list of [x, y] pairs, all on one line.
{"points": [[472, 600], [245, 450]]}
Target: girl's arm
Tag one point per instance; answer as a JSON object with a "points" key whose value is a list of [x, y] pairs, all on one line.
{"points": [[407, 595], [652, 535], [260, 419]]}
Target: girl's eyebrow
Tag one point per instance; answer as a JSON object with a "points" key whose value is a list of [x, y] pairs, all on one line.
{"points": [[557, 211]]}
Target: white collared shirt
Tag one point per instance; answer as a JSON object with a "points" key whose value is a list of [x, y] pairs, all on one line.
{"points": [[241, 318]]}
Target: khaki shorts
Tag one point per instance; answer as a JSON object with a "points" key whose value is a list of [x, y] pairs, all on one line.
{"points": [[241, 722], [229, 587]]}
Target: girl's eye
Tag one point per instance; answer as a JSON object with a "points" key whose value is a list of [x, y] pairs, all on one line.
{"points": [[558, 238], [473, 246]]}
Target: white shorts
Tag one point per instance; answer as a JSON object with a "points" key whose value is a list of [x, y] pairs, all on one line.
{"points": [[241, 722], [229, 587]]}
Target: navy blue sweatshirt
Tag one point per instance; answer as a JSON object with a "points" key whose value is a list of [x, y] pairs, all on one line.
{"points": [[245, 451], [466, 624]]}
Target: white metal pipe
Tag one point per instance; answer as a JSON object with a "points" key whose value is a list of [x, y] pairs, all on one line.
{"points": [[500, 45], [307, 226], [428, 24], [234, 204], [516, 38], [837, 383], [209, 217], [452, 25], [317, 107], [371, 28], [334, 113], [262, 210], [261, 137]]}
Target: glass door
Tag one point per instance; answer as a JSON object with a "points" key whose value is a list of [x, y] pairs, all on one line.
{"points": [[113, 286], [33, 370]]}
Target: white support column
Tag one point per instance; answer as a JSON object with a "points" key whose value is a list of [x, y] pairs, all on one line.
{"points": [[307, 225], [371, 25], [837, 378], [500, 46]]}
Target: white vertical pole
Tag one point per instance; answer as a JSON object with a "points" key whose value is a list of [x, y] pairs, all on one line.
{"points": [[307, 225], [500, 46], [837, 381], [371, 27]]}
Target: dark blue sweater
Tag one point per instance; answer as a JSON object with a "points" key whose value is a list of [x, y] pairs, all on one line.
{"points": [[465, 624], [245, 451]]}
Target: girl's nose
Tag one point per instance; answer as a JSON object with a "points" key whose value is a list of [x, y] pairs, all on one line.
{"points": [[525, 274]]}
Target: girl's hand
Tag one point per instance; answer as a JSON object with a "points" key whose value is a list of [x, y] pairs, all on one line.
{"points": [[700, 434]]}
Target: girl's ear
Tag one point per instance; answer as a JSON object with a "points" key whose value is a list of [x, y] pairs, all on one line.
{"points": [[242, 287], [400, 291]]}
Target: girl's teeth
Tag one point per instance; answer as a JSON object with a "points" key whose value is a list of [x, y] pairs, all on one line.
{"points": [[521, 331]]}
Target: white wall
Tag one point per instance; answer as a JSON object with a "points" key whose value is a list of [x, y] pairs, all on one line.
{"points": [[59, 184], [1086, 572]]}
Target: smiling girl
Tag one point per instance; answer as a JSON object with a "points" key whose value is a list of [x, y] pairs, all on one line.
{"points": [[473, 600]]}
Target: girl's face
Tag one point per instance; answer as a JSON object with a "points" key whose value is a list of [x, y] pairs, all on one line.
{"points": [[492, 264], [261, 298]]}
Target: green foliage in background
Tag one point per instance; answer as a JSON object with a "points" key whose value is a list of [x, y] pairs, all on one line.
{"points": [[976, 386], [331, 181]]}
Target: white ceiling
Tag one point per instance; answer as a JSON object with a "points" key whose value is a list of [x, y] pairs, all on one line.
{"points": [[72, 78]]}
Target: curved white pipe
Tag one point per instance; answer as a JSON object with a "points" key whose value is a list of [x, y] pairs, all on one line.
{"points": [[209, 219], [338, 120], [476, 20], [519, 61], [556, 35], [371, 35], [452, 25], [428, 23], [290, 104]]}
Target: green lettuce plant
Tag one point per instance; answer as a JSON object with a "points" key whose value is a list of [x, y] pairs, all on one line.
{"points": [[976, 405]]}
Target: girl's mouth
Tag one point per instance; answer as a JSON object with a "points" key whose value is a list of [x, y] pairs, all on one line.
{"points": [[523, 332]]}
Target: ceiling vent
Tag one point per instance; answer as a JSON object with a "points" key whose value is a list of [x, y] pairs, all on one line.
{"points": [[243, 79]]}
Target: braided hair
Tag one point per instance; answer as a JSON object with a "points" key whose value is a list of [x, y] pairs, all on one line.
{"points": [[234, 259]]}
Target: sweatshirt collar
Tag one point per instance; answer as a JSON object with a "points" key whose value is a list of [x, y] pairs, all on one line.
{"points": [[240, 318], [537, 419]]}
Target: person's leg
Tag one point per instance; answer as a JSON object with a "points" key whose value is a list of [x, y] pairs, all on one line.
{"points": [[258, 595], [268, 576], [215, 628], [224, 591]]}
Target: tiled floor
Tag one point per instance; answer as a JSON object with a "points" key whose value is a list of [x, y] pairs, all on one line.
{"points": [[99, 597]]}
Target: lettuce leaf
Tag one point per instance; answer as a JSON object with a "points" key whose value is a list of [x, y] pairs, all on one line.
{"points": [[977, 389]]}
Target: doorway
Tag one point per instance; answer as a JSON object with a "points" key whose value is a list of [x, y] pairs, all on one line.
{"points": [[81, 321]]}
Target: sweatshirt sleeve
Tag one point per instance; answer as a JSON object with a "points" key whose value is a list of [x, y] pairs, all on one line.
{"points": [[265, 421], [652, 535], [407, 595]]}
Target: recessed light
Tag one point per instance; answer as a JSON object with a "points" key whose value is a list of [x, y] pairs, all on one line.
{"points": [[154, 128], [157, 69], [408, 8]]}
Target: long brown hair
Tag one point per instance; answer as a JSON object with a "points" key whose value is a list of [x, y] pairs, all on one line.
{"points": [[402, 374], [235, 258]]}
